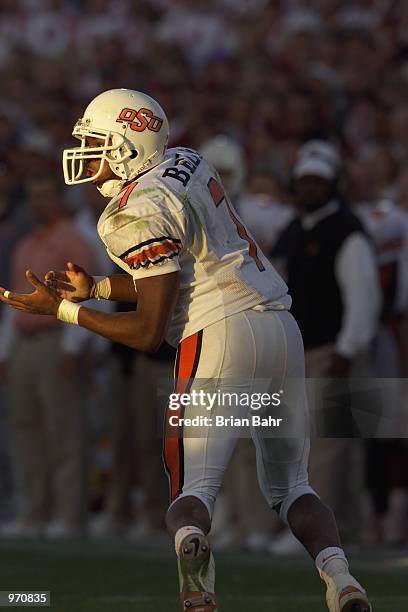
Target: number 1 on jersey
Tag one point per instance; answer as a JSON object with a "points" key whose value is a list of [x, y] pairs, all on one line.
{"points": [[218, 195]]}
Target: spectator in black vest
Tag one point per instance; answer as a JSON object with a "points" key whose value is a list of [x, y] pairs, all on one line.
{"points": [[331, 271], [330, 267]]}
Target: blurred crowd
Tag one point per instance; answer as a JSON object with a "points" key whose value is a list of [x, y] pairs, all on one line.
{"points": [[248, 83]]}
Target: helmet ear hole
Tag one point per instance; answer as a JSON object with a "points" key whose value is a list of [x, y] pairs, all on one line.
{"points": [[133, 154]]}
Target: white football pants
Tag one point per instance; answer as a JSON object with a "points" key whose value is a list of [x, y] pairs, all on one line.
{"points": [[247, 352]]}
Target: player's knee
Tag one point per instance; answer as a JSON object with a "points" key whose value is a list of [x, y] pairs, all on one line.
{"points": [[282, 502]]}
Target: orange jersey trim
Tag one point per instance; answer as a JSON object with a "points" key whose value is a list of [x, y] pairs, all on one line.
{"points": [[151, 253], [188, 356]]}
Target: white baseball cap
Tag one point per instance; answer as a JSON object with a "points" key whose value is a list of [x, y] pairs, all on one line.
{"points": [[314, 166], [321, 149]]}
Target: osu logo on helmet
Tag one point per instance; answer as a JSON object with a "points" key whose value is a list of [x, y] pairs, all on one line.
{"points": [[140, 120]]}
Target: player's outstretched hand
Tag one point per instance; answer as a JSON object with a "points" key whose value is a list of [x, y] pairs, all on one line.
{"points": [[73, 284], [43, 300]]}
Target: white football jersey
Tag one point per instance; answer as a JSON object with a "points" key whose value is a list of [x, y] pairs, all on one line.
{"points": [[176, 217], [387, 224]]}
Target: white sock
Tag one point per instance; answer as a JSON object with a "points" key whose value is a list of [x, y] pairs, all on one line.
{"points": [[331, 561], [182, 533]]}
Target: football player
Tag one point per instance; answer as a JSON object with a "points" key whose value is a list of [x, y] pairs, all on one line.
{"points": [[201, 282]]}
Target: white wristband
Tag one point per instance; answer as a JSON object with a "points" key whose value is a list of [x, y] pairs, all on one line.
{"points": [[102, 287], [68, 312]]}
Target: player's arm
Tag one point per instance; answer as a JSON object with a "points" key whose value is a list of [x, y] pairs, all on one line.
{"points": [[122, 288], [76, 285], [143, 329], [150, 251]]}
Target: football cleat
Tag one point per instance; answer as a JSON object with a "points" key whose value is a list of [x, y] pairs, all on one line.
{"points": [[353, 600], [198, 601], [197, 574], [347, 597]]}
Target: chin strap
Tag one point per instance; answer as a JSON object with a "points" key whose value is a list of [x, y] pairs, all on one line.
{"points": [[111, 188]]}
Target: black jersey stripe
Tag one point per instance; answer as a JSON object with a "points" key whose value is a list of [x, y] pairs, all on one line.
{"points": [[151, 241]]}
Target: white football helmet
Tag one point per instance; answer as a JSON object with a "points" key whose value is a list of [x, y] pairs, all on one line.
{"points": [[134, 133]]}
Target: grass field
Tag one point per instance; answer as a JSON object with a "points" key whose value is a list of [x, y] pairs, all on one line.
{"points": [[110, 577]]}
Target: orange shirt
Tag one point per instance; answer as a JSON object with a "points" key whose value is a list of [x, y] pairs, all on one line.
{"points": [[43, 249]]}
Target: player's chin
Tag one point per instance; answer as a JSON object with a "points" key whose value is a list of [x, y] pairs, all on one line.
{"points": [[99, 181]]}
